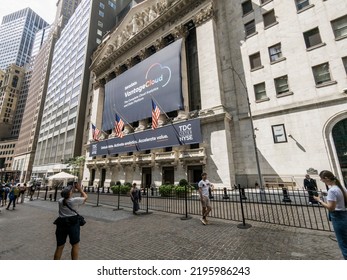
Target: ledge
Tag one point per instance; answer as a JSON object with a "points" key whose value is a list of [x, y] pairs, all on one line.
{"points": [[341, 38], [262, 100], [284, 94], [271, 25], [257, 68], [316, 47], [251, 35], [263, 4], [325, 84], [278, 60]]}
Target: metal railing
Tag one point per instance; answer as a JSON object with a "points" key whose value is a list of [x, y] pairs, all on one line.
{"points": [[271, 205]]}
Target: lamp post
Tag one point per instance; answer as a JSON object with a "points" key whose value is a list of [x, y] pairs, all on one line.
{"points": [[262, 191]]}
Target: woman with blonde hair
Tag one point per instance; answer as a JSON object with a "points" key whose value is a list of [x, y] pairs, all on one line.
{"points": [[336, 204]]}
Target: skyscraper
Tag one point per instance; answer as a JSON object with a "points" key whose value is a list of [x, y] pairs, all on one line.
{"points": [[45, 41], [61, 131], [17, 33]]}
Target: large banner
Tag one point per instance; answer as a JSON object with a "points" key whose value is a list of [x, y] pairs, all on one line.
{"points": [[183, 133], [157, 77]]}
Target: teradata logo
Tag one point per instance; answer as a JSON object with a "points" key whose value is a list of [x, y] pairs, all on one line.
{"points": [[156, 74]]}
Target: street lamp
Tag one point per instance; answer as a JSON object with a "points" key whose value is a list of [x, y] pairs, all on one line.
{"points": [[262, 192]]}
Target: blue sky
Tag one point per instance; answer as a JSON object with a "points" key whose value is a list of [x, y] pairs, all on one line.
{"points": [[44, 8]]}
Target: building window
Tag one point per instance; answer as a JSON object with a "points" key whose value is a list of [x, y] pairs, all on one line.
{"points": [[255, 60], [260, 92], [275, 52], [281, 85], [247, 7], [321, 73], [98, 41], [250, 27], [99, 32], [340, 27], [102, 5], [312, 38], [101, 13], [111, 4], [269, 18], [100, 24], [344, 60], [300, 4], [264, 1]]}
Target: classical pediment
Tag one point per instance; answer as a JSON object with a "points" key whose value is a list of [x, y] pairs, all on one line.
{"points": [[137, 19]]}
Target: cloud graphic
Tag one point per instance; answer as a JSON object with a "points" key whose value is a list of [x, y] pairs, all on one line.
{"points": [[156, 69]]}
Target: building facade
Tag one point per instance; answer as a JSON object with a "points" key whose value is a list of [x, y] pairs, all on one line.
{"points": [[41, 59], [240, 78], [207, 90], [294, 55], [63, 118], [17, 33]]}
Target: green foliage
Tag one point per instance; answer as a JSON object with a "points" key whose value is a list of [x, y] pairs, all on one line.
{"points": [[183, 182], [76, 164], [127, 184], [120, 188], [180, 190], [166, 190]]}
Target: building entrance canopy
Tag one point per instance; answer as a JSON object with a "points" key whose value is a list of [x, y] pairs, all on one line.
{"points": [[182, 133]]}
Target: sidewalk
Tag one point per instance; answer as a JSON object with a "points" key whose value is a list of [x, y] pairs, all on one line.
{"points": [[27, 233]]}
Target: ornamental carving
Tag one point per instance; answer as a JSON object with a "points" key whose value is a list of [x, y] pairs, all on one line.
{"points": [[205, 14]]}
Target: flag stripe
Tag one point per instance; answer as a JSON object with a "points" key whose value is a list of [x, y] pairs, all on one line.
{"points": [[155, 115], [118, 126], [95, 133]]}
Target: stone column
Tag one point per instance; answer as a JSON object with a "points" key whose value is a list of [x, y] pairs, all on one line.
{"points": [[209, 69], [98, 100]]}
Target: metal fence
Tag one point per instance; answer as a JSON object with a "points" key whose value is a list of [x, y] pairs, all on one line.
{"points": [[272, 205]]}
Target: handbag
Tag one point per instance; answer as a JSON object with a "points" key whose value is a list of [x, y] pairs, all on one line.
{"points": [[80, 219]]}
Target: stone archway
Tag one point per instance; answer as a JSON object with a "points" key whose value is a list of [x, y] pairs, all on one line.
{"points": [[335, 137]]}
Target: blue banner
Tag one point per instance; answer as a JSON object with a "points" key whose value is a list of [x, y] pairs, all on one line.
{"points": [[158, 77], [183, 133]]}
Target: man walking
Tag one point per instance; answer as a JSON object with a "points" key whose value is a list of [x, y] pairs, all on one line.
{"points": [[310, 186], [204, 186]]}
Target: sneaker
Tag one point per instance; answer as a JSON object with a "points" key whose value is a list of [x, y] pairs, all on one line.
{"points": [[310, 203], [207, 222], [203, 221]]}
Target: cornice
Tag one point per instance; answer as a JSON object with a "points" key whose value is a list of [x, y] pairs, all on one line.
{"points": [[123, 39]]}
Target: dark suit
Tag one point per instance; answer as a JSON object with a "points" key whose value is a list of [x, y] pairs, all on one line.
{"points": [[311, 186]]}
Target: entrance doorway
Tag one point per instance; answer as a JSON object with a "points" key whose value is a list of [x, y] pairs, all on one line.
{"points": [[194, 174], [92, 178], [146, 177], [168, 176], [339, 133]]}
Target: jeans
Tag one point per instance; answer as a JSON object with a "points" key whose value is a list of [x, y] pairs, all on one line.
{"points": [[339, 221]]}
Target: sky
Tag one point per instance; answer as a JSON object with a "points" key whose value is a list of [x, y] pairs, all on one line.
{"points": [[44, 8]]}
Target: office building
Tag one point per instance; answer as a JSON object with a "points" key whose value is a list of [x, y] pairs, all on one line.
{"points": [[62, 126], [17, 33]]}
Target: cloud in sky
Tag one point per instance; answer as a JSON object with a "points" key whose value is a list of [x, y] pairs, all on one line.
{"points": [[44, 8]]}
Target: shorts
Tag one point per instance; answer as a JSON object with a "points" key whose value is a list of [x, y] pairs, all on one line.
{"points": [[205, 202], [67, 229]]}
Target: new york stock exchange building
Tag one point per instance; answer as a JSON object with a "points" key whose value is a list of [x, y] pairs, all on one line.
{"points": [[203, 68], [166, 53]]}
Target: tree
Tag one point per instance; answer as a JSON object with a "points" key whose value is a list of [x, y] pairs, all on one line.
{"points": [[76, 164]]}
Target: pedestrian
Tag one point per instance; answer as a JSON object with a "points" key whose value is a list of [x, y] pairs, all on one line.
{"points": [[22, 190], [32, 191], [336, 203], [14, 191], [67, 223], [204, 186], [7, 191], [2, 195], [310, 186], [135, 196]]}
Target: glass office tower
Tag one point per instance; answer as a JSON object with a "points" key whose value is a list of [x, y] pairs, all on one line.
{"points": [[17, 34]]}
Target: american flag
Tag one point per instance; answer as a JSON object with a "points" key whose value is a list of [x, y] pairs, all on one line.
{"points": [[118, 126], [95, 133], [155, 115]]}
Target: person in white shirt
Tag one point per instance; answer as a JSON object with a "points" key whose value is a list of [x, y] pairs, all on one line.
{"points": [[204, 186], [336, 204]]}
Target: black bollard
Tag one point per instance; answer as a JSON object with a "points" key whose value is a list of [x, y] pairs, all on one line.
{"points": [[108, 189], [286, 197], [152, 191], [210, 193], [50, 197], [225, 195]]}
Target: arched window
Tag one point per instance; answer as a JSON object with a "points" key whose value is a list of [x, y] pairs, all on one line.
{"points": [[15, 81]]}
